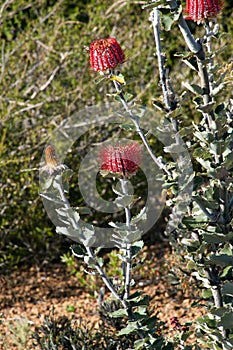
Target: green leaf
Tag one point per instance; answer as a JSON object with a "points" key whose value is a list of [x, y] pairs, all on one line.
{"points": [[226, 272], [206, 293], [130, 328], [195, 89], [227, 289], [136, 248], [124, 201], [191, 63], [205, 163], [88, 235], [227, 320], [84, 210], [79, 251], [140, 344], [140, 216], [128, 127], [137, 299], [221, 260], [133, 236], [217, 238], [166, 22], [89, 260], [174, 148], [118, 313], [159, 105]]}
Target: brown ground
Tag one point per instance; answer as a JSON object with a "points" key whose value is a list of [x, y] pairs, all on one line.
{"points": [[27, 296]]}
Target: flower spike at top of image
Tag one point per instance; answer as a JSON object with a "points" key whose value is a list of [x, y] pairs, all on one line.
{"points": [[199, 10], [121, 160], [52, 166], [105, 54]]}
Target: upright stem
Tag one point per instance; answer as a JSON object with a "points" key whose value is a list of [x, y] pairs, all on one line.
{"points": [[196, 47], [134, 118], [155, 18], [168, 94], [105, 279], [216, 292], [66, 203], [209, 50], [128, 251]]}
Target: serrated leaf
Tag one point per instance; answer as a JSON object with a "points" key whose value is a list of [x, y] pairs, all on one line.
{"points": [[140, 344], [158, 105], [206, 293], [206, 109], [191, 265], [89, 260], [227, 320], [191, 63], [205, 163], [133, 236], [118, 313], [166, 22], [79, 251], [221, 260], [142, 215], [136, 248], [124, 201], [128, 127], [138, 300], [227, 289], [226, 271], [195, 89], [174, 148], [52, 197], [131, 327], [88, 236], [217, 238], [84, 210]]}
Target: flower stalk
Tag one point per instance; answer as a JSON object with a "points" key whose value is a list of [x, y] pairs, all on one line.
{"points": [[134, 118]]}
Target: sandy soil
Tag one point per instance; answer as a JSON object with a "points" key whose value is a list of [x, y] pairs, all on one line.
{"points": [[28, 295]]}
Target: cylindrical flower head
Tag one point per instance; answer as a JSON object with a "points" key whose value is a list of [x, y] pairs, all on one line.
{"points": [[121, 160], [105, 54], [53, 165], [198, 10]]}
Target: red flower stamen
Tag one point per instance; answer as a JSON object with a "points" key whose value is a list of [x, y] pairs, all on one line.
{"points": [[105, 54], [122, 160], [198, 10]]}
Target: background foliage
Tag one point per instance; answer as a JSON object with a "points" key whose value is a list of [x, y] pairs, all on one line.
{"points": [[45, 78]]}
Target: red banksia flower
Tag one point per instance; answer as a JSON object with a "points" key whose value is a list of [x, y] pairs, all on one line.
{"points": [[105, 54], [198, 10], [122, 160], [52, 163]]}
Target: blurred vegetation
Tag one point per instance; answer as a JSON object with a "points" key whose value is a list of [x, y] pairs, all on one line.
{"points": [[45, 78]]}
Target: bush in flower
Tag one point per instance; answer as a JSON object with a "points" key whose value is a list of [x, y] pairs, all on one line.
{"points": [[200, 223]]}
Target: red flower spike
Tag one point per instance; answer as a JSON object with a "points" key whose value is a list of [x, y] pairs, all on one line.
{"points": [[105, 54], [198, 10], [122, 160]]}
